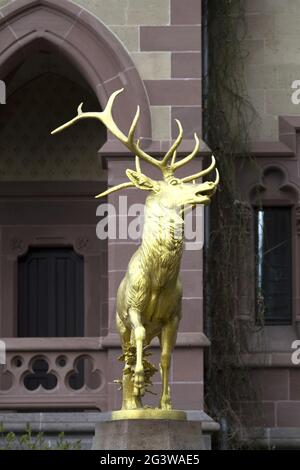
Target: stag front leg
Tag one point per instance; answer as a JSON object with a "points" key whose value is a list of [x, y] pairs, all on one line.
{"points": [[129, 402], [139, 334], [167, 342]]}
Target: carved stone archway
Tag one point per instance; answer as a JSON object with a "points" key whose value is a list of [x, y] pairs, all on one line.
{"points": [[85, 41]]}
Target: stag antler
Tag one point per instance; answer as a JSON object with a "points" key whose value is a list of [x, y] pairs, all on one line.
{"points": [[167, 169]]}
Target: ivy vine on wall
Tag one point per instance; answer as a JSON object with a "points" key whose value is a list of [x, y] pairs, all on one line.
{"points": [[228, 115]]}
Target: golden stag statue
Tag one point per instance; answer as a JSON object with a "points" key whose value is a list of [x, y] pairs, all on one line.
{"points": [[149, 296]]}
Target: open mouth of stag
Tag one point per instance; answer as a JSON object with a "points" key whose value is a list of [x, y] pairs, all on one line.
{"points": [[205, 194]]}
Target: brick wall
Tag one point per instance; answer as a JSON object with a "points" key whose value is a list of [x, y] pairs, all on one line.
{"points": [[278, 390], [163, 38], [271, 67], [273, 62]]}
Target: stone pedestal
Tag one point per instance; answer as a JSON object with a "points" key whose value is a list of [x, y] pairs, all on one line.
{"points": [[151, 434]]}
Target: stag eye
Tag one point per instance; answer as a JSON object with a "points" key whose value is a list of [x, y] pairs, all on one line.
{"points": [[174, 181]]}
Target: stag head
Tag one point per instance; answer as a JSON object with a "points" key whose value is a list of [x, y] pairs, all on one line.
{"points": [[173, 192]]}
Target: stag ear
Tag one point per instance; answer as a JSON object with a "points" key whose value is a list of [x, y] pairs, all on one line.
{"points": [[141, 181]]}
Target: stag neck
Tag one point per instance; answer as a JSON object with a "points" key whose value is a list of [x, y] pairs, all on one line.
{"points": [[163, 227]]}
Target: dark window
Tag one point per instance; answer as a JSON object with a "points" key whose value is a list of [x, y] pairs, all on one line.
{"points": [[273, 265], [50, 293]]}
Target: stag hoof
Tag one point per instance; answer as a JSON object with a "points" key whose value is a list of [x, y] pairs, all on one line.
{"points": [[138, 390], [139, 383], [131, 405], [165, 403]]}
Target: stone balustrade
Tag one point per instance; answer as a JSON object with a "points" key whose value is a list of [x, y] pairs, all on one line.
{"points": [[52, 373]]}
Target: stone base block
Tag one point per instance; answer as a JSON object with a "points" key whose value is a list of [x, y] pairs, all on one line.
{"points": [[150, 434]]}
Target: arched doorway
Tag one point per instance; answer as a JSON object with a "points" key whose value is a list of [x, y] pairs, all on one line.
{"points": [[82, 39]]}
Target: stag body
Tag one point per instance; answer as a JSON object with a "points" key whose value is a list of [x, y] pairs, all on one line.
{"points": [[149, 296]]}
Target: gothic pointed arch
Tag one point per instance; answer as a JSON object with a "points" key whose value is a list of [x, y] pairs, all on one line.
{"points": [[85, 41]]}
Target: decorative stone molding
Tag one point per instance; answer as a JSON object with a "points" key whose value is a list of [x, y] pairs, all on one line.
{"points": [[61, 360], [275, 184]]}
